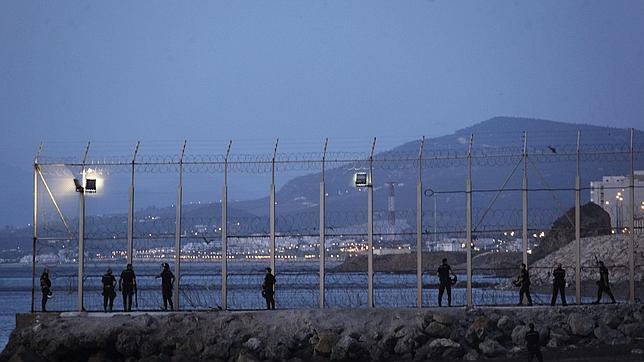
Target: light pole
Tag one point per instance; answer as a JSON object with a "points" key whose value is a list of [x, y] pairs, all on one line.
{"points": [[81, 242], [432, 193], [618, 211]]}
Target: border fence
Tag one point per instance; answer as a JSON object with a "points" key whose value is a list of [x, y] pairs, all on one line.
{"points": [[485, 203]]}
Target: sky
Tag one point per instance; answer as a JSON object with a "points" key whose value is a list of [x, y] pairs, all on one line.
{"points": [[161, 71]]}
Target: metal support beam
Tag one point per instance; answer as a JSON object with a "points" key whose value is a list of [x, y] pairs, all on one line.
{"points": [[322, 245], [177, 234], [370, 229], [35, 236], [524, 194], [272, 246], [631, 228], [81, 237], [130, 214], [53, 201], [81, 251], [224, 234], [419, 228], [578, 225], [468, 217]]}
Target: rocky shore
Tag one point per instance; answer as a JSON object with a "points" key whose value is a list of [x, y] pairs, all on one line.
{"points": [[614, 331]]}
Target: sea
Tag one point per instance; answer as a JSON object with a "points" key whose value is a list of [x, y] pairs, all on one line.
{"points": [[297, 287]]}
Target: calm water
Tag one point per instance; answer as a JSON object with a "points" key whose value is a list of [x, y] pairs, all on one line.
{"points": [[297, 287]]}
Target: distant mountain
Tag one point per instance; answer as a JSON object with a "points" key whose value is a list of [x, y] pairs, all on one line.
{"points": [[552, 167]]}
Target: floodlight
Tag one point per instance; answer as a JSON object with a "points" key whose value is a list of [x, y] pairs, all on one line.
{"points": [[361, 179], [90, 186]]}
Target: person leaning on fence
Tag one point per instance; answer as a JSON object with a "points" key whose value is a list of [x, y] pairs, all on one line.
{"points": [[558, 285], [268, 289], [109, 292], [532, 343], [127, 285], [45, 287], [603, 284], [167, 280], [523, 281], [445, 282]]}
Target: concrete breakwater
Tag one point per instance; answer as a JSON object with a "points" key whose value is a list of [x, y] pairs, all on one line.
{"points": [[356, 334]]}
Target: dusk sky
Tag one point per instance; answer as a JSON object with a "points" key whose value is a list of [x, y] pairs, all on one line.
{"points": [[160, 72]]}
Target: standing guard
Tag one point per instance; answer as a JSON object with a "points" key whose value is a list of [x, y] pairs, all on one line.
{"points": [[127, 284], [523, 281], [558, 285]]}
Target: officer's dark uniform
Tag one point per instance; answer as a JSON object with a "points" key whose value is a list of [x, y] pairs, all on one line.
{"points": [[45, 287], [269, 290], [559, 285], [532, 342], [444, 284], [109, 283], [127, 284], [603, 285], [525, 287], [167, 278]]}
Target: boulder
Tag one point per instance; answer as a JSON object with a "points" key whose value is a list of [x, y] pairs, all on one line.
{"points": [[346, 348], [491, 348], [610, 336], [245, 357], [444, 348], [326, 341], [631, 329], [443, 318], [594, 221], [252, 344], [518, 334], [438, 330], [505, 324], [476, 332], [471, 355], [580, 324], [610, 319], [404, 345]]}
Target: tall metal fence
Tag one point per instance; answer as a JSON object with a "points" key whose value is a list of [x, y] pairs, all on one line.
{"points": [[486, 208]]}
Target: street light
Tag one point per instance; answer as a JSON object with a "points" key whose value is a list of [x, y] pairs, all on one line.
{"points": [[81, 241]]}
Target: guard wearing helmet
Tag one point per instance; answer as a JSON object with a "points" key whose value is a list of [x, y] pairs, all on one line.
{"points": [[109, 284], [127, 284], [45, 287], [167, 281], [268, 289]]}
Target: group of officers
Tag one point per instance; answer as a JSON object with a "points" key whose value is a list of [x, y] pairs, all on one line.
{"points": [[126, 285], [446, 277]]}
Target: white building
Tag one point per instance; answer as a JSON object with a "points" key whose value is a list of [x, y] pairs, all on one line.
{"points": [[613, 194]]}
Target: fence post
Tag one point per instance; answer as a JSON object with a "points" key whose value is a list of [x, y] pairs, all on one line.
{"points": [[419, 228], [524, 194], [81, 235], [322, 227], [35, 238], [224, 233], [578, 225], [631, 249], [177, 235], [468, 216], [370, 229], [272, 210], [130, 214]]}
